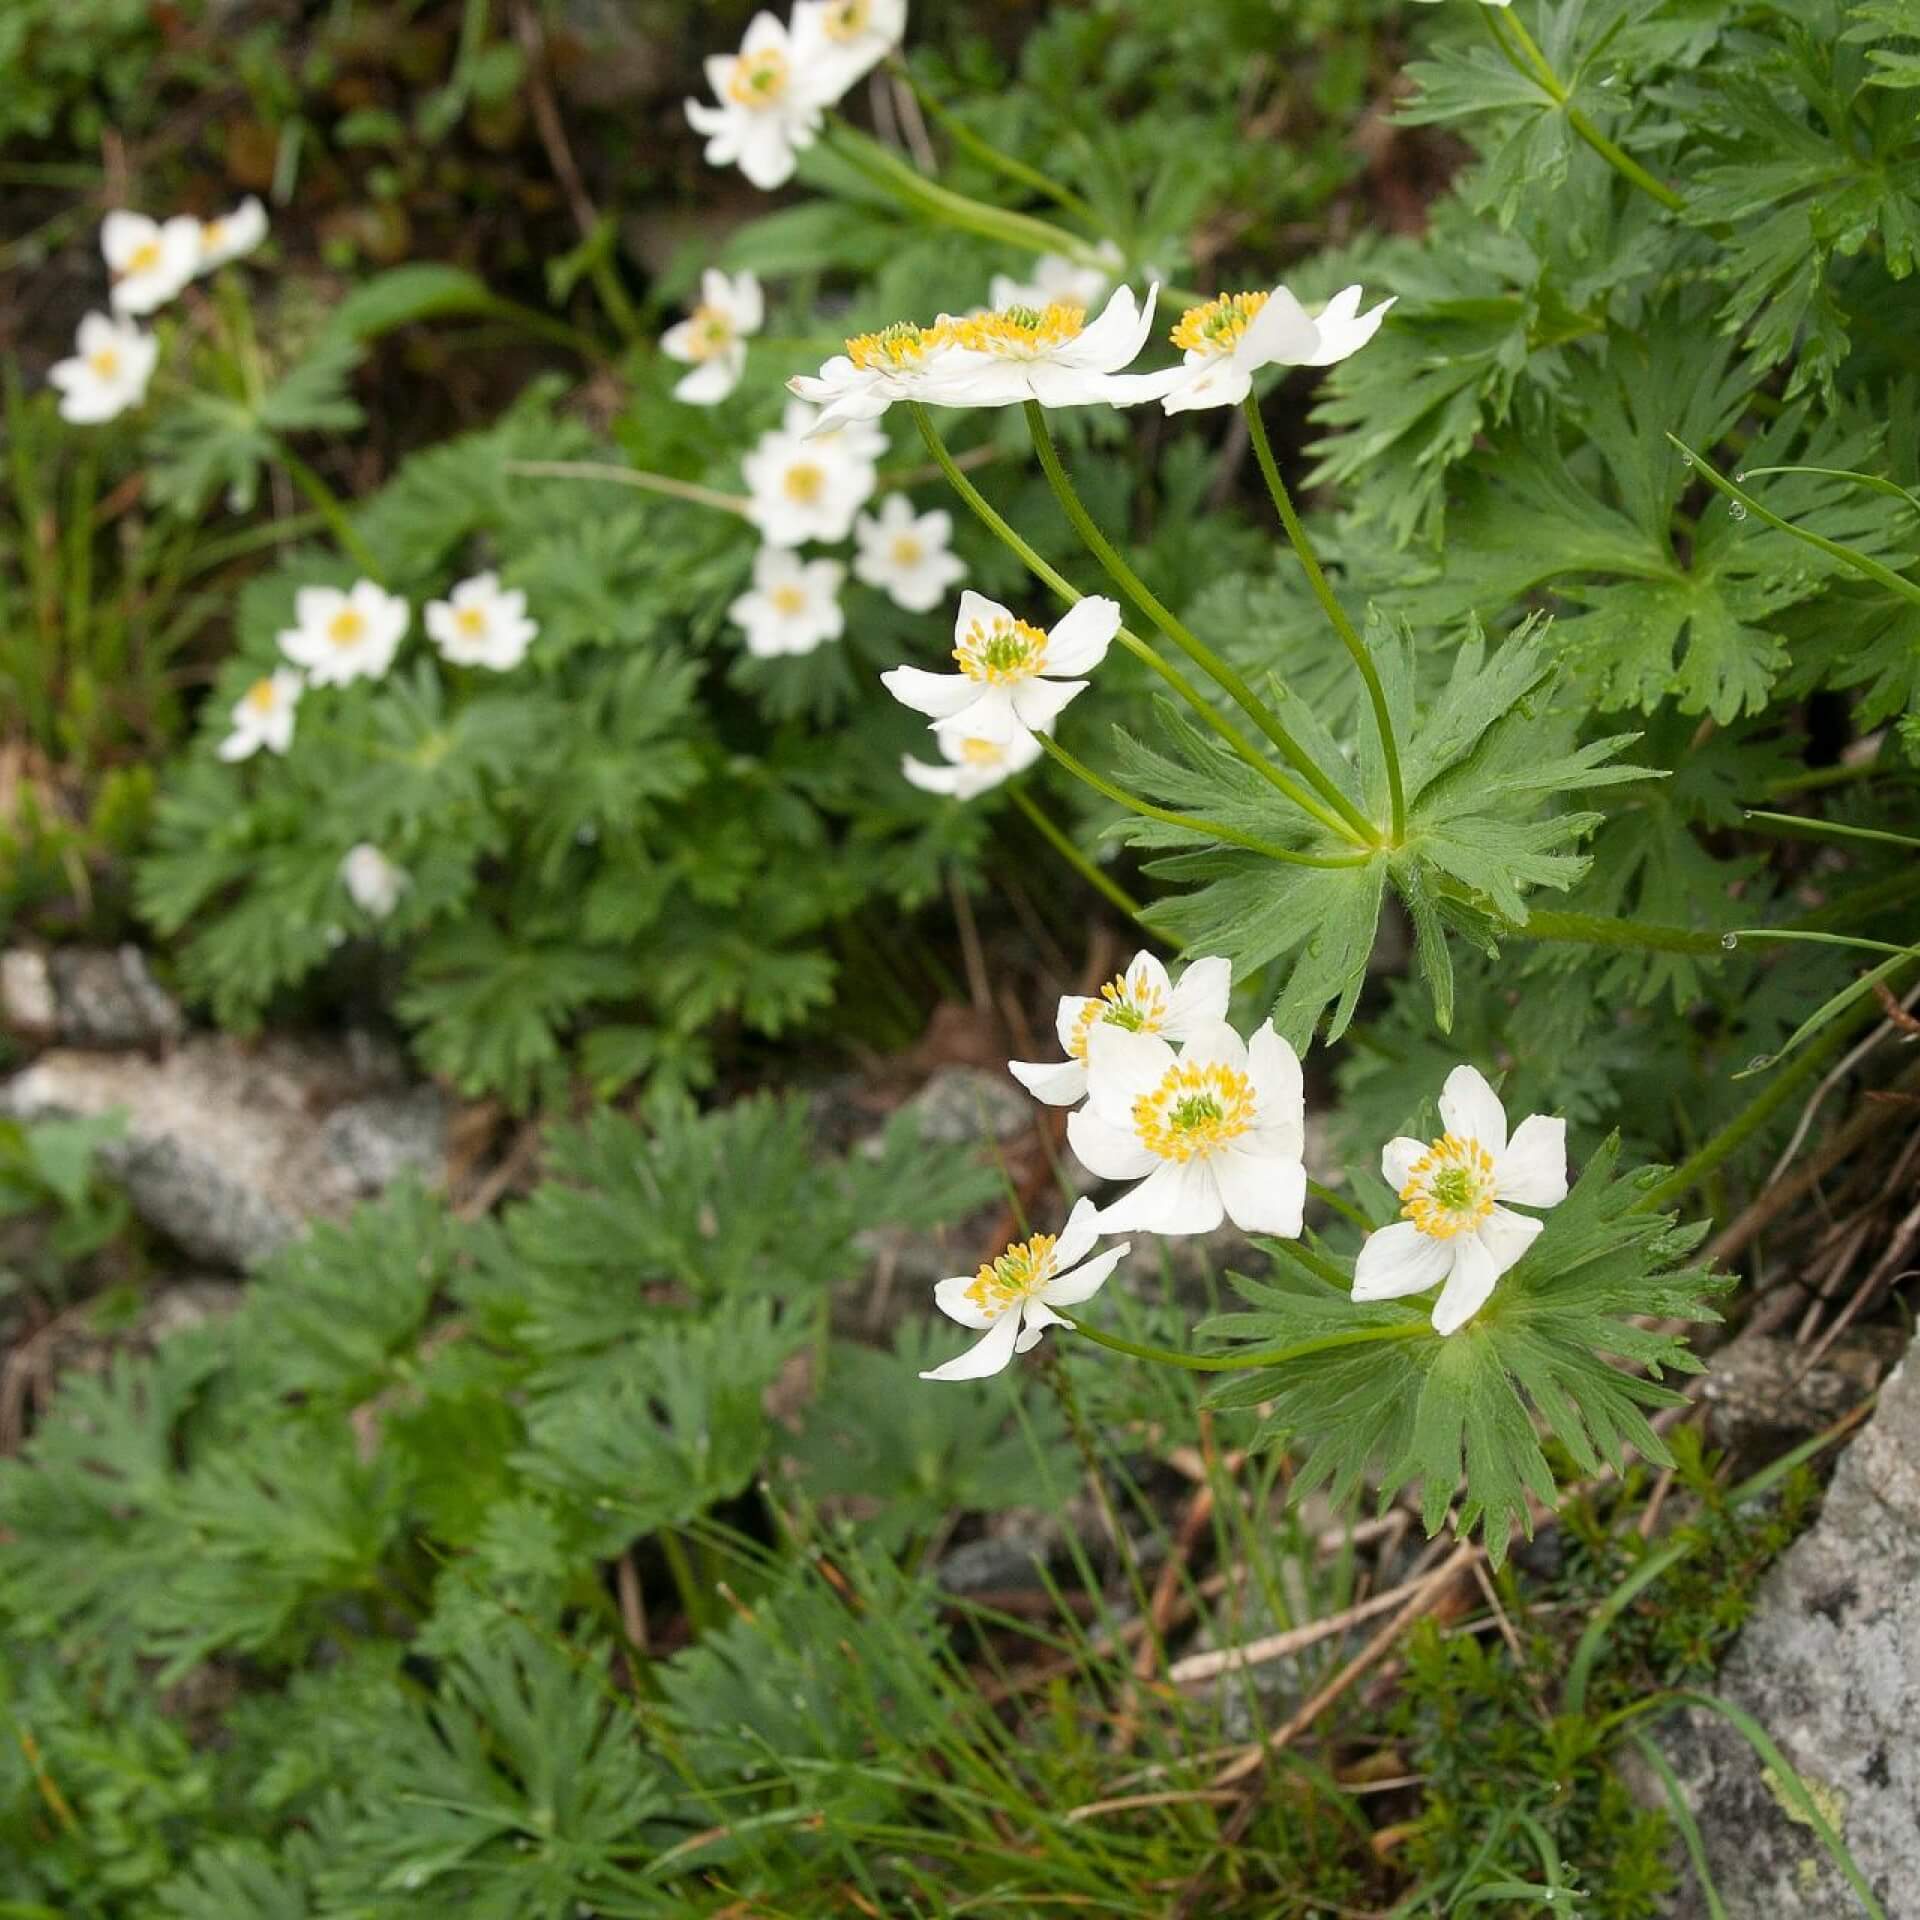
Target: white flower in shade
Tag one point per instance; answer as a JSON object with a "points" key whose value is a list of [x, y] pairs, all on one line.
{"points": [[769, 107], [231, 236], [479, 625], [803, 485], [1055, 277], [150, 260], [1009, 678], [374, 883], [1141, 1000], [906, 554], [263, 716], [793, 605], [837, 41], [341, 637], [900, 362], [1228, 340], [712, 339], [1051, 354], [1013, 1297], [1214, 1131], [973, 766], [1454, 1229], [111, 365]]}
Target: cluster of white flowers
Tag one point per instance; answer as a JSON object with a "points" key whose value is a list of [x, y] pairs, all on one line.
{"points": [[150, 262], [1209, 1126], [770, 98]]}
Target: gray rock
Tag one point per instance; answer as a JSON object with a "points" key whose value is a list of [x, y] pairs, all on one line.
{"points": [[1762, 1395], [229, 1149], [961, 1106], [1829, 1665], [87, 997]]}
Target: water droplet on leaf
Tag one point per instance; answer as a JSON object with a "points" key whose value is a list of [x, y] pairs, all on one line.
{"points": [[1729, 941]]}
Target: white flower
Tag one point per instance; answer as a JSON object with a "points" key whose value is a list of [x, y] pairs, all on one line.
{"points": [[150, 262], [229, 236], [480, 626], [793, 606], [900, 362], [802, 485], [341, 637], [372, 880], [768, 106], [712, 339], [263, 716], [112, 363], [1055, 277], [836, 41], [974, 766], [1453, 1229], [906, 554], [1007, 679], [1228, 341], [1217, 1129], [1141, 1000], [1050, 354], [1013, 1297]]}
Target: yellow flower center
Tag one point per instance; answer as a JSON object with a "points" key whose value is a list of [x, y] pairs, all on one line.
{"points": [[1450, 1188], [213, 235], [712, 333], [1022, 1270], [471, 621], [1217, 327], [105, 363], [901, 345], [1194, 1111], [1020, 333], [907, 551], [758, 80], [804, 484], [1138, 1005], [347, 627], [788, 600], [847, 20], [262, 697], [982, 753], [1004, 654], [144, 258]]}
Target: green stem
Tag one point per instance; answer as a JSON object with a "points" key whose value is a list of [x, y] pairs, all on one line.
{"points": [[330, 510], [1351, 824], [1336, 614], [1798, 826], [635, 477], [1525, 56], [1246, 1362], [990, 518], [1189, 823], [1343, 1207], [1586, 929], [1108, 889]]}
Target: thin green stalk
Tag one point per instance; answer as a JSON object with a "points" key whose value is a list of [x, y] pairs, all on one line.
{"points": [[1352, 824], [964, 137], [1586, 929], [1246, 1362], [635, 477], [1108, 889], [1797, 826], [1211, 829], [1525, 57], [1336, 614], [330, 510], [996, 523]]}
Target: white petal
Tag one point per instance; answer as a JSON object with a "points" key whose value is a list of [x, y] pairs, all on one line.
{"points": [[1262, 1195], [1109, 342], [1397, 1159], [1218, 1043], [950, 1296], [1274, 1069], [988, 1355], [1533, 1170], [1175, 1198], [1037, 704], [1082, 1283], [1110, 1152], [989, 716], [1080, 639], [1471, 1108], [1506, 1236], [1066, 1019], [1468, 1286], [710, 382], [1201, 998], [1399, 1260], [1035, 1318], [1279, 335], [1060, 1083], [1121, 1066], [1346, 331], [1077, 1236], [940, 694], [976, 610]]}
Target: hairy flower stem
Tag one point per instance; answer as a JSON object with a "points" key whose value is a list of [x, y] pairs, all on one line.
{"points": [[1052, 577], [1210, 829], [1336, 615], [1245, 1362], [328, 506], [1524, 55], [1356, 827], [1107, 888]]}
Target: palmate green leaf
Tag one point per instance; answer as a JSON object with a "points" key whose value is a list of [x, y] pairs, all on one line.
{"points": [[1418, 1407], [241, 1880], [1890, 31]]}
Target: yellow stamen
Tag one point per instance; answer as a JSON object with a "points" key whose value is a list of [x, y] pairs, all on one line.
{"points": [[901, 345], [262, 696], [1194, 1111], [848, 20], [1217, 327], [1003, 656], [982, 753], [788, 600], [347, 627], [758, 80], [105, 363], [213, 235], [907, 551], [1021, 1271], [804, 484], [1135, 1004], [1450, 1189], [1019, 333], [143, 259], [711, 334]]}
